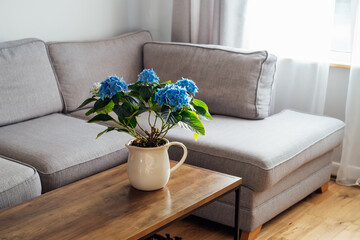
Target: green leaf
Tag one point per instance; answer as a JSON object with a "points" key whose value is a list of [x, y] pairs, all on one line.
{"points": [[146, 92], [201, 111], [156, 108], [190, 120], [105, 131], [167, 82], [200, 103], [132, 100], [101, 111], [196, 136], [101, 117], [134, 87], [174, 118], [122, 130], [132, 122], [122, 111], [109, 107], [91, 111], [168, 116], [134, 93], [87, 101], [141, 110], [162, 85], [164, 113], [116, 98], [99, 104]]}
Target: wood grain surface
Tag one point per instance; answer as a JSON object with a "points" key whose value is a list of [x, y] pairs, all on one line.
{"points": [[105, 206]]}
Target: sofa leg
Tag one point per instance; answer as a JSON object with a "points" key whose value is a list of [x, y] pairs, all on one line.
{"points": [[323, 188], [250, 235]]}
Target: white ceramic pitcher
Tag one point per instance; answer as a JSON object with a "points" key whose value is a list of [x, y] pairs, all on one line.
{"points": [[149, 168]]}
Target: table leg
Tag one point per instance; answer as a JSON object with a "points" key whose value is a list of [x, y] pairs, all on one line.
{"points": [[237, 210]]}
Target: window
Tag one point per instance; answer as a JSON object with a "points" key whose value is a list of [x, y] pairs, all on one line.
{"points": [[341, 38]]}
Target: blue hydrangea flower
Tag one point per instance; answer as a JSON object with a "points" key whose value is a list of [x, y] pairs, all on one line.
{"points": [[112, 85], [148, 75], [188, 84], [174, 96]]}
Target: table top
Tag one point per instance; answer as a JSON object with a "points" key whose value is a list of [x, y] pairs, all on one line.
{"points": [[105, 206]]}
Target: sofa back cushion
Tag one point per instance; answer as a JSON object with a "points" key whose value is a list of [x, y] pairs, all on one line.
{"points": [[231, 82], [28, 85], [79, 64]]}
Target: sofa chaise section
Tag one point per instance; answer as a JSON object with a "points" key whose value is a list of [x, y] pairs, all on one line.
{"points": [[282, 158], [18, 183], [264, 151]]}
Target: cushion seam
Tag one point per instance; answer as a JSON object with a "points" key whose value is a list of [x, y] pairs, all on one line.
{"points": [[292, 187], [277, 196], [27, 180], [285, 190], [21, 44], [203, 47], [64, 106], [24, 164], [272, 86], [257, 84], [312, 144]]}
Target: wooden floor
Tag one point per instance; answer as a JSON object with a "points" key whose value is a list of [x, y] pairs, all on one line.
{"points": [[334, 214]]}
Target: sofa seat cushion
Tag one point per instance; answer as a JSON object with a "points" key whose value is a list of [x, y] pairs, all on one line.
{"points": [[231, 81], [63, 149], [262, 152], [26, 79], [79, 64], [18, 183]]}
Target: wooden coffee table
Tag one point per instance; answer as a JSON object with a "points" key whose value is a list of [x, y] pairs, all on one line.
{"points": [[105, 206]]}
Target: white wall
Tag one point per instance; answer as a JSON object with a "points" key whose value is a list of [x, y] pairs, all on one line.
{"points": [[337, 92], [335, 103], [66, 20]]}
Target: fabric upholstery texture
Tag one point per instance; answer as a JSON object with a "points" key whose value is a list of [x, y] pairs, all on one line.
{"points": [[223, 212], [262, 152], [79, 64], [27, 82], [63, 149], [250, 199], [18, 183], [231, 82]]}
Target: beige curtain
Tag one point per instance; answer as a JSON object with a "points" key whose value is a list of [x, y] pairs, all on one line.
{"points": [[209, 21], [349, 171], [278, 26]]}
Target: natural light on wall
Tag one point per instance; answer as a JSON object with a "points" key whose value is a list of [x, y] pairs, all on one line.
{"points": [[290, 29], [342, 32]]}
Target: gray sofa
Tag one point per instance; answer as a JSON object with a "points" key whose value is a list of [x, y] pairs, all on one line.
{"points": [[282, 158]]}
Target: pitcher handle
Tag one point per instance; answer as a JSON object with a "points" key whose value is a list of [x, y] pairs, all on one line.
{"points": [[183, 157]]}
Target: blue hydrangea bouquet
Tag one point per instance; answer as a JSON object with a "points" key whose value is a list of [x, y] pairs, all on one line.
{"points": [[170, 104]]}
